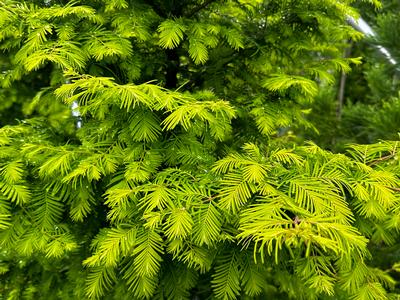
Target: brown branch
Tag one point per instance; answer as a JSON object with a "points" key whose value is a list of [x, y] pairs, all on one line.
{"points": [[383, 158], [393, 188]]}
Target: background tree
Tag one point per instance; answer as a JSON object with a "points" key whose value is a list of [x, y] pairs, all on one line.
{"points": [[371, 108], [184, 178]]}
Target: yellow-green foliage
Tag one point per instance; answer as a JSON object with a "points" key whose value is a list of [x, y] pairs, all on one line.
{"points": [[179, 181]]}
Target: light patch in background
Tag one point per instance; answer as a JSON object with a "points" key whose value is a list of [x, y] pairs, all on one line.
{"points": [[363, 27], [76, 113]]}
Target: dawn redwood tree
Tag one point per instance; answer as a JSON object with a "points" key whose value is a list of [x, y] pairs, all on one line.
{"points": [[181, 177]]}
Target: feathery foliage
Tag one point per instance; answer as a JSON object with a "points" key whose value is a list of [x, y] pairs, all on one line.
{"points": [[177, 175]]}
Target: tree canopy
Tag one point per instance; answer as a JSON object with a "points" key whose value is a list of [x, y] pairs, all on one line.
{"points": [[155, 149]]}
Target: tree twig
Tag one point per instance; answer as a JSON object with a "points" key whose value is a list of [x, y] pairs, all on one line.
{"points": [[200, 7], [342, 86], [383, 158], [393, 189]]}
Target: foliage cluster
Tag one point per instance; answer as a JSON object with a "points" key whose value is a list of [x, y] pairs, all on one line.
{"points": [[183, 179]]}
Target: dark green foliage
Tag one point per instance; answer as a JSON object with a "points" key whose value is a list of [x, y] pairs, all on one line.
{"points": [[371, 91], [184, 179]]}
